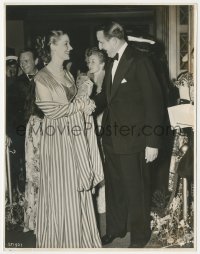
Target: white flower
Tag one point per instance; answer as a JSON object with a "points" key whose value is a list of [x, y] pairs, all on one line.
{"points": [[188, 237], [152, 224], [170, 240], [159, 226], [181, 243], [182, 223], [175, 204], [21, 203], [28, 211], [167, 217], [13, 221], [162, 222]]}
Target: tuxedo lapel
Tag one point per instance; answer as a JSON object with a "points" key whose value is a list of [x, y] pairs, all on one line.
{"points": [[24, 78], [24, 85], [25, 81], [124, 64]]}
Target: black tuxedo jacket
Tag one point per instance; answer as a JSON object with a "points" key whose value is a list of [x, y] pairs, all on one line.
{"points": [[24, 90], [27, 106], [11, 104], [16, 96], [133, 114]]}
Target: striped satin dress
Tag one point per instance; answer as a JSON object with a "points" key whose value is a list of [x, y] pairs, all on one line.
{"points": [[70, 166]]}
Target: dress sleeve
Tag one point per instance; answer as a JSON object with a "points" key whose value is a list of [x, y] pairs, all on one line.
{"points": [[52, 109]]}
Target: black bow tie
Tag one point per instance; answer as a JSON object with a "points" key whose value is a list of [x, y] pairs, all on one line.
{"points": [[116, 57], [30, 76]]}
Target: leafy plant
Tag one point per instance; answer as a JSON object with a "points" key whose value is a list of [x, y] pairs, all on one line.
{"points": [[172, 230]]}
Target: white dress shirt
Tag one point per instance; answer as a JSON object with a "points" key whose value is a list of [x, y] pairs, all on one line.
{"points": [[116, 62], [27, 75]]}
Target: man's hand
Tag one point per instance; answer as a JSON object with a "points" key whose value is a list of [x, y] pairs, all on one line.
{"points": [[151, 154]]}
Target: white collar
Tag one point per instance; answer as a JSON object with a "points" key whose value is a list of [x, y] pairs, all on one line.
{"points": [[36, 71]]}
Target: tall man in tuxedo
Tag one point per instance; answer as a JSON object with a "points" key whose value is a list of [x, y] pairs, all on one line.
{"points": [[133, 104]]}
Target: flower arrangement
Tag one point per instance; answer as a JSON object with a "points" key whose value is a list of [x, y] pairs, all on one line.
{"points": [[84, 85], [172, 230], [14, 214]]}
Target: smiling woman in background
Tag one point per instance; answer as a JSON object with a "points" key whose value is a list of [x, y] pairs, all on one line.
{"points": [[96, 61], [69, 168]]}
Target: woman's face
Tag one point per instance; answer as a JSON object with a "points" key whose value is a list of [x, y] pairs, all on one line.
{"points": [[94, 64], [62, 47]]}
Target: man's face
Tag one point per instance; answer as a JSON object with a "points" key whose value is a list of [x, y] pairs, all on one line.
{"points": [[27, 63], [107, 45]]}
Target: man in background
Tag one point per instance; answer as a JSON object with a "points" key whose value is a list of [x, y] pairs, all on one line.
{"points": [[24, 90]]}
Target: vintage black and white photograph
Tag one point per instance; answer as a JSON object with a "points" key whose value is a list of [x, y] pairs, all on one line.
{"points": [[100, 130]]}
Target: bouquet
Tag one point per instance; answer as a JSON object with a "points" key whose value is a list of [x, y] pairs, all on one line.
{"points": [[85, 86]]}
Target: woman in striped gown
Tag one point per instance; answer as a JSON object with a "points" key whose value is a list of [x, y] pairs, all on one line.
{"points": [[70, 164]]}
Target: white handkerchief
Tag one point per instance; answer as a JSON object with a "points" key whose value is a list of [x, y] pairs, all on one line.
{"points": [[123, 81]]}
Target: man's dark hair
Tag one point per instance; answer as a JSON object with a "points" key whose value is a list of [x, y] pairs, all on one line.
{"points": [[28, 50], [112, 29]]}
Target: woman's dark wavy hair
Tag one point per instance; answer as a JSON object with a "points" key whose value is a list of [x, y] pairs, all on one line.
{"points": [[43, 43], [43, 53]]}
